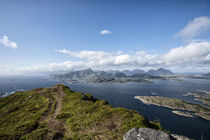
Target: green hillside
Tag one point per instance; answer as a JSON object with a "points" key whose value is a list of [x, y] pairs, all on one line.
{"points": [[59, 113]]}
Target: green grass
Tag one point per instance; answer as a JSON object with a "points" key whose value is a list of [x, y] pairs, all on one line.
{"points": [[84, 116], [89, 118], [19, 113]]}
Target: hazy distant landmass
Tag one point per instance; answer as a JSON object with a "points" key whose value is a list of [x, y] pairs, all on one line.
{"points": [[208, 74], [113, 76], [199, 76], [88, 75]]}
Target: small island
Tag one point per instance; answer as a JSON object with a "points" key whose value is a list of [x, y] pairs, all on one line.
{"points": [[203, 96], [181, 113], [173, 103]]}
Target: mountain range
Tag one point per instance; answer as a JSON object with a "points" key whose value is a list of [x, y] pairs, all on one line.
{"points": [[160, 71], [88, 75]]}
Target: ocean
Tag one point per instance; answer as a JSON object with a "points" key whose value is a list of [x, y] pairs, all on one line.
{"points": [[122, 95]]}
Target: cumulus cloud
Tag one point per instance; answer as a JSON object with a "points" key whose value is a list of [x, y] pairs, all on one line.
{"points": [[207, 58], [193, 56], [7, 43], [193, 53], [195, 28], [105, 32], [89, 55], [67, 65]]}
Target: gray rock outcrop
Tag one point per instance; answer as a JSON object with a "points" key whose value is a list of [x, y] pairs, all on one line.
{"points": [[151, 134]]}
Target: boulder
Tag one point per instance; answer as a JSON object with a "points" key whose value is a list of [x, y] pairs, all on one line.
{"points": [[151, 134]]}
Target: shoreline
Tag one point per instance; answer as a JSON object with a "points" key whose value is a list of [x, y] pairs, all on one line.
{"points": [[181, 113], [173, 103]]}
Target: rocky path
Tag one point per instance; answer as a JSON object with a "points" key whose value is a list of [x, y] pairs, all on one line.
{"points": [[55, 127]]}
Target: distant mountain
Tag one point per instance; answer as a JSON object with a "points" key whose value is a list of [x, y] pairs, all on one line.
{"points": [[152, 72], [119, 75], [112, 71], [88, 75], [82, 75], [136, 71], [127, 72], [160, 71], [145, 76]]}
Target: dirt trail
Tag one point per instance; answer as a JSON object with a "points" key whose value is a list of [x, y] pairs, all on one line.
{"points": [[55, 127], [58, 101]]}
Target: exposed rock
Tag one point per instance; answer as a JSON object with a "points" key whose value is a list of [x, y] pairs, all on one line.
{"points": [[179, 137], [151, 134]]}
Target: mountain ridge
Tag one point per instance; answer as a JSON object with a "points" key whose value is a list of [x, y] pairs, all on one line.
{"points": [[88, 75], [60, 113]]}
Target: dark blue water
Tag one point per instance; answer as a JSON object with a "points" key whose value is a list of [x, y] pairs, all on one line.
{"points": [[15, 83], [122, 95]]}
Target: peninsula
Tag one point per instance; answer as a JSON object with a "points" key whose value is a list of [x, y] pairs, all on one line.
{"points": [[203, 96], [173, 103]]}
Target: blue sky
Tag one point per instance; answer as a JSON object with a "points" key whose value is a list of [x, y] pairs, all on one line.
{"points": [[43, 29]]}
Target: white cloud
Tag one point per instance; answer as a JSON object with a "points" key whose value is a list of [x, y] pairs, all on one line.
{"points": [[195, 28], [193, 53], [124, 59], [104, 32], [67, 65], [7, 43], [194, 56], [207, 58]]}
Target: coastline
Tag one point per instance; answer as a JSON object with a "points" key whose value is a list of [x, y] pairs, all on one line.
{"points": [[173, 103]]}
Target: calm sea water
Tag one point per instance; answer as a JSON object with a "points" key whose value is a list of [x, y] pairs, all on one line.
{"points": [[122, 95]]}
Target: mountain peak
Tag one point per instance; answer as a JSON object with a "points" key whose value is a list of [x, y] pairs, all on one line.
{"points": [[160, 71]]}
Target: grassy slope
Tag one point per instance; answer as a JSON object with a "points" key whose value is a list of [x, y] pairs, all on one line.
{"points": [[20, 112], [26, 115]]}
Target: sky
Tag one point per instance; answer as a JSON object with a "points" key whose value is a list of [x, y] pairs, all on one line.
{"points": [[55, 35]]}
